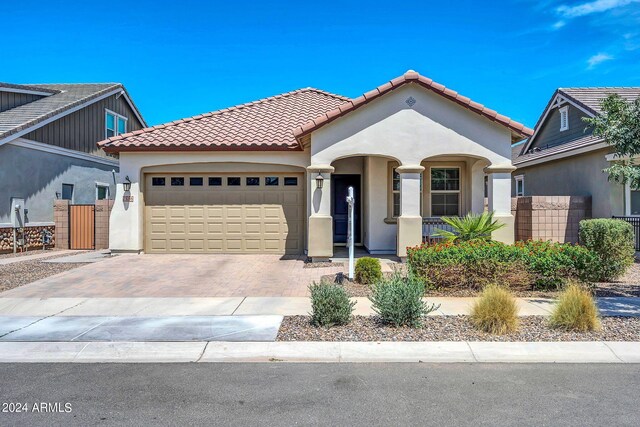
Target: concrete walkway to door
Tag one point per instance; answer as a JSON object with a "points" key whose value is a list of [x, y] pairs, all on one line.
{"points": [[162, 276]]}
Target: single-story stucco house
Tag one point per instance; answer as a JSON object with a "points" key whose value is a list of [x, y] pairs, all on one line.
{"points": [[246, 179]]}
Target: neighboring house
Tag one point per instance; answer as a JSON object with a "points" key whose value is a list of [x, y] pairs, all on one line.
{"points": [[48, 135], [271, 176], [564, 158]]}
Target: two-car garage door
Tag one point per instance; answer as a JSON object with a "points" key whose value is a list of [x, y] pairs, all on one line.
{"points": [[224, 213]]}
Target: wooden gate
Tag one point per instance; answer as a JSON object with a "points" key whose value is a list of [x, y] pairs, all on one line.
{"points": [[82, 227]]}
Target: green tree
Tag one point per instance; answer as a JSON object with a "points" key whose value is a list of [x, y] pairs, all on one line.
{"points": [[619, 126]]}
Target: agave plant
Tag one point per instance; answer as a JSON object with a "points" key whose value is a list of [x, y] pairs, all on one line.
{"points": [[470, 227]]}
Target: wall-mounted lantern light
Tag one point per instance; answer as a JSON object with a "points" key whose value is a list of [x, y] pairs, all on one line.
{"points": [[126, 185], [58, 195], [319, 181]]}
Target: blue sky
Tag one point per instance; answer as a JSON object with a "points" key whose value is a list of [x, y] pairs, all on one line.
{"points": [[179, 59]]}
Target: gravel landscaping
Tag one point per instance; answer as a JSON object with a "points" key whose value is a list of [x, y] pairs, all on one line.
{"points": [[24, 272], [452, 328]]}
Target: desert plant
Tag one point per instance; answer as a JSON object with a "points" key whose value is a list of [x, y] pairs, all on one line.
{"points": [[575, 310], [470, 227], [330, 304], [612, 240], [368, 270], [496, 311], [398, 300]]}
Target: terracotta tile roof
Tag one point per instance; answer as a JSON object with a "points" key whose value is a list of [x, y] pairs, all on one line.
{"points": [[518, 130], [265, 124]]}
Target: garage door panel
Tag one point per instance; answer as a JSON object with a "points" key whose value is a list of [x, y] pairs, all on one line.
{"points": [[224, 219]]}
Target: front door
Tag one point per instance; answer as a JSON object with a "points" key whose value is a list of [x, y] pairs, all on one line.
{"points": [[341, 184]]}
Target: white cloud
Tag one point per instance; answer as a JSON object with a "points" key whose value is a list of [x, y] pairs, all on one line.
{"points": [[597, 59], [559, 24], [595, 6]]}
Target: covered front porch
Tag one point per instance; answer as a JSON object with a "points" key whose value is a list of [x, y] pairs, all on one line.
{"points": [[396, 205]]}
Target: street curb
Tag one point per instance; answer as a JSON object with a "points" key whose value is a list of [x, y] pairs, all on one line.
{"points": [[320, 352]]}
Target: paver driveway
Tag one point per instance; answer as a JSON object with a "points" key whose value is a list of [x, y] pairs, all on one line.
{"points": [[179, 276]]}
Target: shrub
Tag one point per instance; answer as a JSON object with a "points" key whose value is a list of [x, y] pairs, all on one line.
{"points": [[398, 300], [368, 270], [575, 310], [470, 227], [330, 305], [612, 240], [496, 311], [475, 264]]}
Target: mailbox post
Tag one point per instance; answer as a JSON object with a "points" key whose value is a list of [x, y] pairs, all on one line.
{"points": [[350, 231]]}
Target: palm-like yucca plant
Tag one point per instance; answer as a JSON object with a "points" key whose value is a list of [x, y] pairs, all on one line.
{"points": [[470, 227]]}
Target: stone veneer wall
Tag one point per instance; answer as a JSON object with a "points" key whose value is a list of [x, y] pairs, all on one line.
{"points": [[102, 213], [33, 238], [554, 218]]}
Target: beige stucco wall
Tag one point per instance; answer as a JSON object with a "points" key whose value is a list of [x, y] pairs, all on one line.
{"points": [[433, 126], [579, 175]]}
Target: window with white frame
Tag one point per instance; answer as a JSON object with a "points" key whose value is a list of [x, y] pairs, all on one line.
{"points": [[445, 191], [395, 193], [519, 185], [632, 205], [102, 191], [115, 124], [564, 118]]}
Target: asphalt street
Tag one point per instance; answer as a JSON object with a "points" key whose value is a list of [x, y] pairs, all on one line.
{"points": [[277, 394]]}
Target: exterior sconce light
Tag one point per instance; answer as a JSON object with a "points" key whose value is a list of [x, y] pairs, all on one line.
{"points": [[126, 185], [319, 181], [58, 195]]}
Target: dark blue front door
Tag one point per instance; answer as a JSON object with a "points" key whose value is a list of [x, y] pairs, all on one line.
{"points": [[341, 184]]}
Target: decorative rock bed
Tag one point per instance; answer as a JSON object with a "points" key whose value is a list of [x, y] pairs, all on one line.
{"points": [[452, 328], [33, 238]]}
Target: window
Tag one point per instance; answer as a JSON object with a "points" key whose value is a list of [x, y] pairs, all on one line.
{"points": [[395, 190], [102, 191], [635, 203], [196, 181], [233, 181], [177, 181], [272, 180], [158, 181], [115, 124], [445, 192], [290, 180], [215, 181], [67, 191], [564, 118], [253, 181], [519, 185]]}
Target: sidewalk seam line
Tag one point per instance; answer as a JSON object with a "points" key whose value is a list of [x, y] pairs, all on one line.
{"points": [[472, 353], [236, 309], [45, 317], [613, 352], [91, 329], [202, 353]]}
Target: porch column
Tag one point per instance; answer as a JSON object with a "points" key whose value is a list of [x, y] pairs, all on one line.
{"points": [[320, 225], [410, 220], [500, 201]]}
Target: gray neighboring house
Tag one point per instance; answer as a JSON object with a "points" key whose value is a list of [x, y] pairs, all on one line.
{"points": [[564, 158], [48, 136]]}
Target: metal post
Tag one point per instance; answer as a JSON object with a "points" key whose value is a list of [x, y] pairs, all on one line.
{"points": [[350, 231]]}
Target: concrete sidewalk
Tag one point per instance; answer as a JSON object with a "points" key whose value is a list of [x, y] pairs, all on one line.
{"points": [[325, 352], [239, 306]]}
